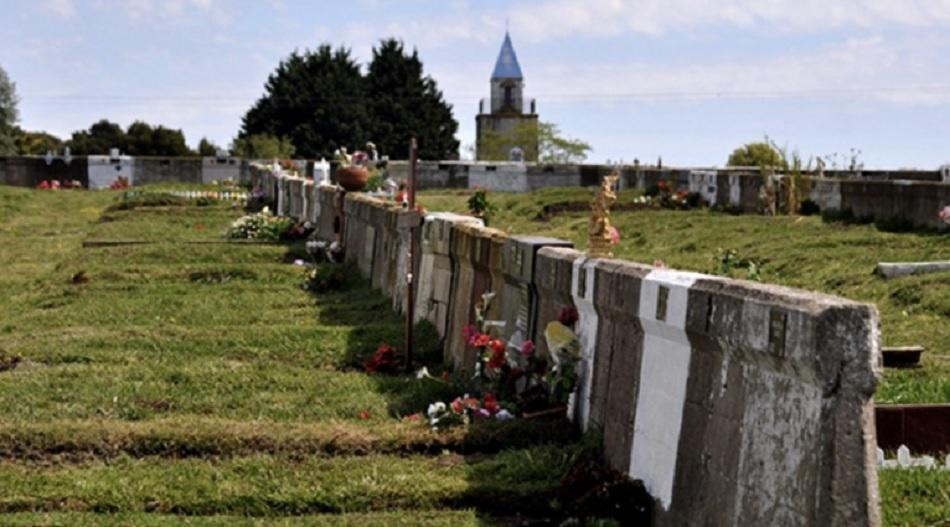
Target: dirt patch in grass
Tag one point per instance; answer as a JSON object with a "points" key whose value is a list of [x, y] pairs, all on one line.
{"points": [[220, 276]]}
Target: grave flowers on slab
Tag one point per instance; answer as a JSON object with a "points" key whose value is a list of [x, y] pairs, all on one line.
{"points": [[511, 377]]}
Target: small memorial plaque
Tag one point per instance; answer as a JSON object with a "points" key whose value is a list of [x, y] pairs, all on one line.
{"points": [[662, 297], [777, 323]]}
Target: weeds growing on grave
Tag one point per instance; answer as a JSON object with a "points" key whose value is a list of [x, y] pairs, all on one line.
{"points": [[728, 260], [330, 277]]}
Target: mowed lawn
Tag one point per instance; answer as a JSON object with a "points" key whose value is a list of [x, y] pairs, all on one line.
{"points": [[188, 379], [796, 251], [185, 380]]}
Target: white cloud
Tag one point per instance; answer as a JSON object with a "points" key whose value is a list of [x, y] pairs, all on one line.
{"points": [[60, 8], [869, 68], [557, 18]]}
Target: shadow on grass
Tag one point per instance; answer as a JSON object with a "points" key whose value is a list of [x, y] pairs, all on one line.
{"points": [[520, 472]]}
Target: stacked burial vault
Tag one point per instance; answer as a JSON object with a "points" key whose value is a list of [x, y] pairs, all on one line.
{"points": [[736, 403]]}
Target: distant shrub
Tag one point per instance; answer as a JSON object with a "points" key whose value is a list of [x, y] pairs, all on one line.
{"points": [[809, 208], [325, 278], [157, 199]]}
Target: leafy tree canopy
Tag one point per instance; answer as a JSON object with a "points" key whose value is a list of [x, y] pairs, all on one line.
{"points": [[316, 100], [756, 154], [37, 143], [140, 139], [207, 149], [319, 100], [540, 141], [262, 146], [404, 103], [9, 114]]}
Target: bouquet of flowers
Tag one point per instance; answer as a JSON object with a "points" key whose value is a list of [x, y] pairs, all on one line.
{"points": [[261, 225]]}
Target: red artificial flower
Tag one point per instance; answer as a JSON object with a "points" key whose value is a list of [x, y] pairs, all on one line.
{"points": [[471, 403], [413, 417], [491, 404], [568, 316], [527, 349], [497, 358], [480, 340], [681, 194], [456, 405], [468, 332], [383, 361], [662, 185], [498, 346], [44, 185], [364, 414]]}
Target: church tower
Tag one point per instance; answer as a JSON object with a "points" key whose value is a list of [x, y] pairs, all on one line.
{"points": [[510, 125]]}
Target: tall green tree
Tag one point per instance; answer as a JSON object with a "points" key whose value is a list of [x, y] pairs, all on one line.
{"points": [[37, 143], [206, 148], [542, 141], [403, 102], [317, 100], [98, 139], [756, 154], [260, 146], [145, 140], [9, 114]]}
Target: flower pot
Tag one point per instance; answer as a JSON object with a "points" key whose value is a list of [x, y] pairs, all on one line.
{"points": [[352, 178]]}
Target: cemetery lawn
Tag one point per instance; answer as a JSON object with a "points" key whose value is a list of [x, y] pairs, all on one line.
{"points": [[181, 379], [799, 251], [175, 375]]}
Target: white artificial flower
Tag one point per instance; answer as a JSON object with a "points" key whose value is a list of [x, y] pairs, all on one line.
{"points": [[504, 415], [423, 373], [435, 409]]}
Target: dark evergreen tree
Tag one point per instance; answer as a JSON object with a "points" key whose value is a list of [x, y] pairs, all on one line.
{"points": [[100, 137], [404, 103], [317, 100], [207, 149]]}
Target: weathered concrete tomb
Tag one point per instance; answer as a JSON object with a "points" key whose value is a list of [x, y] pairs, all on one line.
{"points": [[736, 403]]}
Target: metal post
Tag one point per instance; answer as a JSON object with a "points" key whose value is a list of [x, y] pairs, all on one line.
{"points": [[410, 296]]}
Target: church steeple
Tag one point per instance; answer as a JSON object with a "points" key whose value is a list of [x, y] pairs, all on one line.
{"points": [[507, 82], [507, 67], [509, 115]]}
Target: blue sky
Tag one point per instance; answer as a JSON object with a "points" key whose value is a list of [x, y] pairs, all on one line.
{"points": [[687, 80]]}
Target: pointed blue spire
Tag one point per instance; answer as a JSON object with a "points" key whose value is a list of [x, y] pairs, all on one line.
{"points": [[507, 65]]}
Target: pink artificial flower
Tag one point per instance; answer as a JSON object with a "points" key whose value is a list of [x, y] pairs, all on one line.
{"points": [[456, 405], [481, 412], [527, 349], [468, 332], [55, 184], [614, 235], [944, 214], [43, 185]]}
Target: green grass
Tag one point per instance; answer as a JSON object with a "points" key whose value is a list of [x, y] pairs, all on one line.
{"points": [[915, 497], [191, 376], [802, 252], [407, 518], [191, 381]]}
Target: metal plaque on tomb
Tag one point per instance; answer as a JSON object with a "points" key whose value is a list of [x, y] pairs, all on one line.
{"points": [[519, 302]]}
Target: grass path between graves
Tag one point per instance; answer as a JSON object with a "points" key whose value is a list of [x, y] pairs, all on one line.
{"points": [[173, 383], [168, 381], [797, 251]]}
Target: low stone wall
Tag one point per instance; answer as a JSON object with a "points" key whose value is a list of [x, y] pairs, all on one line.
{"points": [[899, 197], [735, 403]]}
